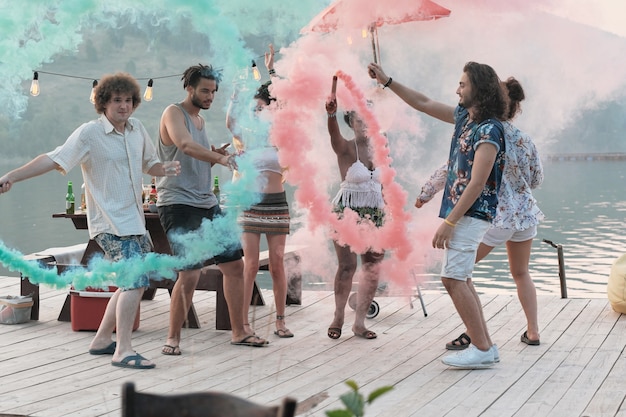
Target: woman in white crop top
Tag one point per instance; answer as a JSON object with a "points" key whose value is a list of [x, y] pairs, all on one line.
{"points": [[360, 191], [270, 216]]}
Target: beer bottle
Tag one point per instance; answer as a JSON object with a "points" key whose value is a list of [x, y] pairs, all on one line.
{"points": [[216, 188], [69, 199], [153, 197]]}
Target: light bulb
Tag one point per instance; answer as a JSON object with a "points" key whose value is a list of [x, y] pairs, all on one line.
{"points": [[255, 71], [92, 96], [34, 86], [148, 94], [364, 33]]}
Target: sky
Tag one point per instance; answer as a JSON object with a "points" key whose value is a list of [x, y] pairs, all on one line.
{"points": [[564, 66], [609, 15]]}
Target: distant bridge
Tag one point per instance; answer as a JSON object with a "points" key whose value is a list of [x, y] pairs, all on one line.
{"points": [[611, 156]]}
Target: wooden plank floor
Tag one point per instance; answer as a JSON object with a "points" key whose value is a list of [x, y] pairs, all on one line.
{"points": [[578, 370]]}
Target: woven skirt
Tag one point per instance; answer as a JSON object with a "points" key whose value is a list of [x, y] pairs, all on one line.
{"points": [[270, 216]]}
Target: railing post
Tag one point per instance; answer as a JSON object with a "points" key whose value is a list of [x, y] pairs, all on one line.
{"points": [[559, 252]]}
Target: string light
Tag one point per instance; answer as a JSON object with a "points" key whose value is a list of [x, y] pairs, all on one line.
{"points": [[92, 96], [148, 94], [255, 71], [34, 86]]}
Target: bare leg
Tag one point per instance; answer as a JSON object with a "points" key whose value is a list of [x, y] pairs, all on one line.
{"points": [[482, 251], [469, 310], [519, 257], [368, 283], [276, 246], [251, 247], [105, 331], [233, 292], [347, 262], [120, 316], [126, 311], [470, 284], [181, 299]]}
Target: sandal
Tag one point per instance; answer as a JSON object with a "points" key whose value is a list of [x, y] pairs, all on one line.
{"points": [[334, 332], [459, 343], [528, 341], [282, 333], [171, 350]]}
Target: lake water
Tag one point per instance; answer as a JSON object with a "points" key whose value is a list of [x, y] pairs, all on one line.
{"points": [[584, 204]]}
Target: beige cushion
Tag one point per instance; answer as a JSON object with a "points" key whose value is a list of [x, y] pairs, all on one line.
{"points": [[616, 289]]}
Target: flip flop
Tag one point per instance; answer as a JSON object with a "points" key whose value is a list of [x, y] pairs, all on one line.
{"points": [[138, 364], [283, 333], [367, 334], [170, 350], [528, 341], [334, 332], [109, 350], [247, 342], [459, 343]]}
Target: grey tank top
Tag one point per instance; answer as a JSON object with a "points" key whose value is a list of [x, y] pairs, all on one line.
{"points": [[193, 187]]}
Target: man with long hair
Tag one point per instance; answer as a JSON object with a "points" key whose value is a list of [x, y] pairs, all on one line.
{"points": [[474, 173]]}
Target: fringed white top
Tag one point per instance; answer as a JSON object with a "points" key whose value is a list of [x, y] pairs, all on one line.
{"points": [[361, 187]]}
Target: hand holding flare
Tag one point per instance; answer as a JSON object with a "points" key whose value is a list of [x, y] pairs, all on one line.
{"points": [[331, 103]]}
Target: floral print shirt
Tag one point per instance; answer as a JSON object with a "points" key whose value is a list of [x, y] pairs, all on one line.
{"points": [[517, 208], [468, 136]]}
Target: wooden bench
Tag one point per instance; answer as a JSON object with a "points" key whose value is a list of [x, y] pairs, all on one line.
{"points": [[211, 279]]}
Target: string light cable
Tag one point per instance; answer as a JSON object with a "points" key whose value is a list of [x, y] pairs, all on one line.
{"points": [[148, 94], [35, 88]]}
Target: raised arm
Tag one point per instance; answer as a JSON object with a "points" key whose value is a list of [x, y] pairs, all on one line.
{"points": [[231, 122], [337, 140], [411, 97], [269, 61]]}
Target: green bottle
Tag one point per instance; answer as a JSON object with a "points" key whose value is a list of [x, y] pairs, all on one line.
{"points": [[69, 199], [216, 188]]}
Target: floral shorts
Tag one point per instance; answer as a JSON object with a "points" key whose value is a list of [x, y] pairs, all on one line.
{"points": [[125, 247], [375, 215]]}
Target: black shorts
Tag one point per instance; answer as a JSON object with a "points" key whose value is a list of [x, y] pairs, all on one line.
{"points": [[180, 218]]}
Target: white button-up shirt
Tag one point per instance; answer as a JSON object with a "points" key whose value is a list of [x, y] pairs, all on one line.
{"points": [[112, 164]]}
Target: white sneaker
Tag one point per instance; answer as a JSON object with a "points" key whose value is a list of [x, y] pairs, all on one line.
{"points": [[496, 354], [470, 358]]}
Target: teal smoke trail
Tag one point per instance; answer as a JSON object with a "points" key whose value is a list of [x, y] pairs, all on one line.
{"points": [[33, 35], [14, 261]]}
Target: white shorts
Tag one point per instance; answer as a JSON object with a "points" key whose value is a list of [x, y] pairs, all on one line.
{"points": [[460, 255], [497, 236]]}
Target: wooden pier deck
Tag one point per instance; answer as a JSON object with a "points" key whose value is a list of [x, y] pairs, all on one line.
{"points": [[578, 370]]}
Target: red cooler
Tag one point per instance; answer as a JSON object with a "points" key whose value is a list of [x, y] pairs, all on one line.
{"points": [[87, 308]]}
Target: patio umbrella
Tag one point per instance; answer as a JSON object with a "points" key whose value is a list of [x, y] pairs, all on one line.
{"points": [[359, 14]]}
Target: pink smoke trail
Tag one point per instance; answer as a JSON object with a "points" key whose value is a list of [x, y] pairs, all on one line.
{"points": [[291, 122]]}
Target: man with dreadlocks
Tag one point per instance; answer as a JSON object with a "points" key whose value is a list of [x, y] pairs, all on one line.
{"points": [[183, 204]]}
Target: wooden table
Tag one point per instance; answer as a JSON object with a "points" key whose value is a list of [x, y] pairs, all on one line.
{"points": [[210, 278]]}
